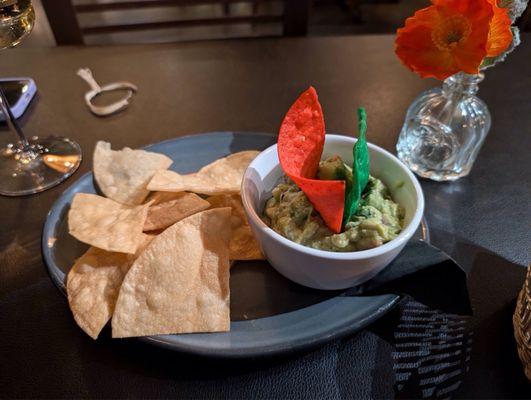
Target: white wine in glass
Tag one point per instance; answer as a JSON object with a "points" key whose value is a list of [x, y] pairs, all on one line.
{"points": [[16, 21], [31, 165]]}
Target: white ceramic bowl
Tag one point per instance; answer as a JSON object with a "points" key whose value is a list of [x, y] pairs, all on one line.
{"points": [[322, 269]]}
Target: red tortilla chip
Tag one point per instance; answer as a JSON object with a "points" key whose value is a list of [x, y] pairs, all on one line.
{"points": [[302, 135], [300, 145], [328, 197]]}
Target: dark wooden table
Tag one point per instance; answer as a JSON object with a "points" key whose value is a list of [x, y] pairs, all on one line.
{"points": [[482, 220]]}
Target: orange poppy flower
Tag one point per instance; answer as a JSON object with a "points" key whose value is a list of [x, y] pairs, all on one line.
{"points": [[448, 37], [500, 34]]}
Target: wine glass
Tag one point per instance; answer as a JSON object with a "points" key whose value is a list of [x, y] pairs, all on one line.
{"points": [[38, 163]]}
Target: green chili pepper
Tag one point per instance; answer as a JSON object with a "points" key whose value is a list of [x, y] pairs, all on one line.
{"points": [[360, 169]]}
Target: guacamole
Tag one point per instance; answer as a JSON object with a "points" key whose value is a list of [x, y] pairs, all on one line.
{"points": [[377, 220]]}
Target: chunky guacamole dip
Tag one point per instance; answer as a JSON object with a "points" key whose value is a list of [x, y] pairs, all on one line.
{"points": [[377, 219]]}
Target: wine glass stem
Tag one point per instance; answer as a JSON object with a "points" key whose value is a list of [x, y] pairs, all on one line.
{"points": [[12, 122]]}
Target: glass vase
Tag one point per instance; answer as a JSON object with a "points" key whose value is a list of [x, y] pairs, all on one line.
{"points": [[444, 129]]}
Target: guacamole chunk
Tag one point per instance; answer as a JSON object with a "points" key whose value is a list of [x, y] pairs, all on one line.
{"points": [[377, 220]]}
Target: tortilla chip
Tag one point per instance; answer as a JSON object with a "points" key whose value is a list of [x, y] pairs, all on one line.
{"points": [[123, 175], [300, 145], [243, 245], [106, 224], [162, 197], [93, 284], [180, 283], [220, 177], [162, 215], [302, 136]]}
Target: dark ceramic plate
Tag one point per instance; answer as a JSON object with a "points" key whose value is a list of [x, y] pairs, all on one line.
{"points": [[269, 313]]}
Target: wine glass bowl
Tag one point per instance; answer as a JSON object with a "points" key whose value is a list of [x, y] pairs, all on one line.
{"points": [[42, 164]]}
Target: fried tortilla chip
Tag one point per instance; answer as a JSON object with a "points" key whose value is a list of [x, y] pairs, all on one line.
{"points": [[243, 245], [106, 224], [300, 146], [93, 285], [184, 204], [162, 197], [123, 175], [180, 283], [221, 177]]}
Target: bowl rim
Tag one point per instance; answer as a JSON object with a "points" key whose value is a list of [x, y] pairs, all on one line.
{"points": [[400, 240]]}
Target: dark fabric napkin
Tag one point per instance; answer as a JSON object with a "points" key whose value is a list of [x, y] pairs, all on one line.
{"points": [[424, 273]]}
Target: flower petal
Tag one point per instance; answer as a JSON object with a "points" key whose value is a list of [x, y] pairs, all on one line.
{"points": [[500, 34], [416, 49], [470, 54]]}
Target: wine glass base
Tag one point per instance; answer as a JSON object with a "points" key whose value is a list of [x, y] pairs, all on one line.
{"points": [[47, 162]]}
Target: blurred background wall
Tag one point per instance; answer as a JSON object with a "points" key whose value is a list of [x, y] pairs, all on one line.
{"points": [[102, 22]]}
